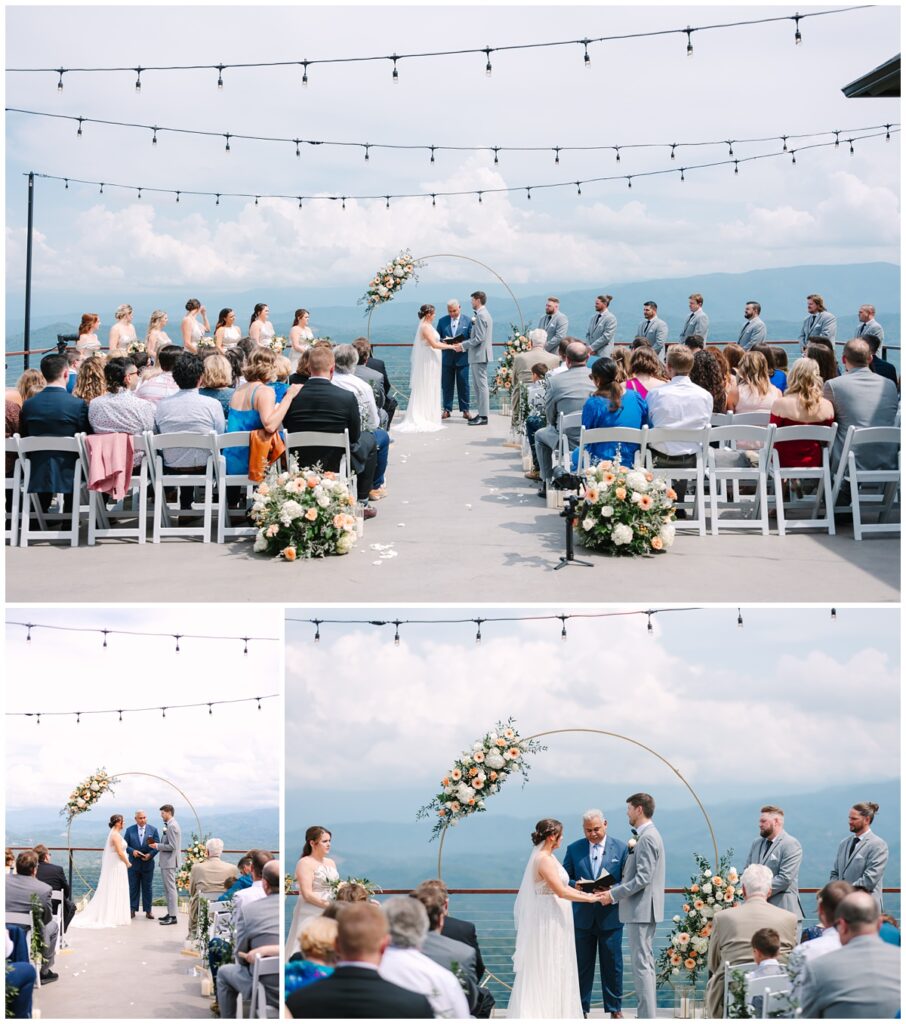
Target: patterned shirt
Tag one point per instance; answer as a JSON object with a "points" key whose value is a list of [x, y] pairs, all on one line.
{"points": [[121, 413], [152, 390]]}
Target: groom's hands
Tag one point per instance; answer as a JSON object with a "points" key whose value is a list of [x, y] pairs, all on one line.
{"points": [[457, 347], [606, 898], [152, 844]]}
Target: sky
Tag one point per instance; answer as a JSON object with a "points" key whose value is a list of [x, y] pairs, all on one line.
{"points": [[771, 702], [832, 207], [229, 759]]}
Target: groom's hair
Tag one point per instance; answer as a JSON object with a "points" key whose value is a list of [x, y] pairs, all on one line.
{"points": [[482, 298], [643, 800], [168, 808]]}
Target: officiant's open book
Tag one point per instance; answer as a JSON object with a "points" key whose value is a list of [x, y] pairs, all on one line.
{"points": [[603, 882]]}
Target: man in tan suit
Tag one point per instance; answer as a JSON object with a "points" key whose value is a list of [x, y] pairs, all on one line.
{"points": [[524, 361], [731, 940], [209, 875]]}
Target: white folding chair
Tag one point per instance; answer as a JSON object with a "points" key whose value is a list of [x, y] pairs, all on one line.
{"points": [[567, 421], [756, 472], [225, 479], [13, 492], [25, 921], [824, 436], [166, 519], [264, 967], [57, 896], [776, 1000], [611, 435], [132, 509], [659, 436], [751, 419], [721, 419], [321, 439], [848, 471], [743, 965], [61, 445]]}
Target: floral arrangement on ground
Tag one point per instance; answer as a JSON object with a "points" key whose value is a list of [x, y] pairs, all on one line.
{"points": [[390, 279], [685, 958], [478, 773], [195, 852], [303, 513], [87, 793], [516, 343], [625, 511]]}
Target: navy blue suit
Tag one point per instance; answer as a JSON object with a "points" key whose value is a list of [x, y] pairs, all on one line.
{"points": [[141, 872], [455, 365], [599, 933], [53, 413]]}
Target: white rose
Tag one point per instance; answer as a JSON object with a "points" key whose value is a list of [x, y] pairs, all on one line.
{"points": [[464, 792], [635, 497], [291, 510], [478, 746], [622, 534], [323, 501], [382, 291], [495, 760], [587, 523], [344, 543], [707, 873], [636, 481], [677, 918], [606, 511], [667, 534], [260, 542], [707, 887], [466, 760]]}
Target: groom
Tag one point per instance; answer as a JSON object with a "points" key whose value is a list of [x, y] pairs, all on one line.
{"points": [[169, 848], [640, 897], [141, 862], [479, 345]]}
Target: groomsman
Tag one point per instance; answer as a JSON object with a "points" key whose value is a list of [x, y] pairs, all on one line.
{"points": [[652, 328], [599, 931], [602, 327], [819, 323], [782, 853], [753, 330], [697, 322], [861, 858], [555, 323], [868, 326], [640, 897], [454, 365]]}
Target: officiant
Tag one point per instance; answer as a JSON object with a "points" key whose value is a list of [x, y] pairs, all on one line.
{"points": [[599, 933], [455, 366]]}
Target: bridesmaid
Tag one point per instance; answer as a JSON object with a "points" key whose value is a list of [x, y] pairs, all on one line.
{"points": [[300, 334], [192, 330], [156, 338], [122, 333], [89, 342], [314, 873], [226, 333], [261, 330]]}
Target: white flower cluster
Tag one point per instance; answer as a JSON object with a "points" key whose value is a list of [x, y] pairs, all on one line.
{"points": [[277, 344], [479, 773], [86, 794]]}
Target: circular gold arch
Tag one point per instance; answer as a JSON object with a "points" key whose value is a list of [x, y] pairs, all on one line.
{"points": [[471, 259], [119, 775], [628, 739]]}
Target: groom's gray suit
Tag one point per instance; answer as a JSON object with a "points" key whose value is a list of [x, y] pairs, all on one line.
{"points": [[169, 860], [479, 345], [640, 898]]}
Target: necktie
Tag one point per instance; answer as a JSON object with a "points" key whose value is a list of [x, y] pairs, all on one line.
{"points": [[595, 860], [647, 325], [852, 847], [141, 835], [766, 846], [597, 321], [634, 831], [861, 330]]}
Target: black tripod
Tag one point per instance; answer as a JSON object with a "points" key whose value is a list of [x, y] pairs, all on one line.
{"points": [[569, 514]]}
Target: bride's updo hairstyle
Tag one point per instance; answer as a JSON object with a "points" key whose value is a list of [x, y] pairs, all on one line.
{"points": [[546, 828], [312, 835], [425, 310], [115, 819]]}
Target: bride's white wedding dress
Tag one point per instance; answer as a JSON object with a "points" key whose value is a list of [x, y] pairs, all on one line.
{"points": [[109, 907], [547, 979], [424, 409]]}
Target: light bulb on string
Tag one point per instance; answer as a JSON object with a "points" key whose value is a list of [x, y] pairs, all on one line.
{"points": [[629, 181], [317, 631], [850, 141], [28, 629], [487, 68], [163, 712], [650, 624], [579, 188], [739, 617], [60, 83], [478, 631], [396, 74], [673, 151], [388, 202], [105, 632], [736, 167], [433, 199], [496, 152], [556, 154], [793, 151], [563, 627], [432, 153], [833, 614], [836, 140], [298, 151], [138, 79], [154, 136], [66, 180], [79, 129], [688, 42], [78, 718], [177, 197], [784, 137], [245, 644], [300, 201], [617, 149], [227, 137], [887, 136], [176, 637], [220, 76], [586, 59], [217, 203], [396, 633], [38, 718], [344, 201], [139, 193], [120, 712], [305, 72], [730, 144], [797, 38], [367, 148], [479, 197], [682, 174], [101, 189], [259, 702], [528, 192], [210, 709]]}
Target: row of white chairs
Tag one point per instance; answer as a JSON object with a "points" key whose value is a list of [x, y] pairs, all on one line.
{"points": [[129, 519], [717, 476], [775, 992]]}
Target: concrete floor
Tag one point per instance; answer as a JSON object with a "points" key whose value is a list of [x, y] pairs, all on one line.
{"points": [[127, 973], [462, 524]]}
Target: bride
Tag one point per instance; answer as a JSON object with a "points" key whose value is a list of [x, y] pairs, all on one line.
{"points": [[109, 907], [424, 409], [547, 979]]}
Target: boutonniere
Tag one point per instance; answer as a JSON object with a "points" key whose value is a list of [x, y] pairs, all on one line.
{"points": [[631, 845], [475, 319]]}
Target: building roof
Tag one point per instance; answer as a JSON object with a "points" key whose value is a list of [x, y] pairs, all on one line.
{"points": [[884, 80]]}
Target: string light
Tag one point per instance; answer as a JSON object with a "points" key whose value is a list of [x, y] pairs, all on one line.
{"points": [[396, 634], [176, 636], [245, 644], [887, 136], [586, 59], [478, 630], [60, 83], [305, 72], [396, 74], [386, 197], [67, 183], [487, 68], [479, 197], [730, 144], [105, 632], [432, 154], [833, 614], [139, 193], [227, 137], [579, 188], [682, 174], [850, 141], [259, 702], [79, 131], [797, 39], [220, 76], [154, 137], [739, 618], [119, 712], [650, 624], [298, 151], [688, 42], [794, 155], [837, 139], [138, 79], [317, 631], [367, 148], [617, 148], [210, 709], [177, 197], [673, 151], [556, 154], [563, 627]]}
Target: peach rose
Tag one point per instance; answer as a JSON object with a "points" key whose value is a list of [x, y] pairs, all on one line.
{"points": [[675, 959], [657, 543], [608, 479], [728, 897], [441, 811], [514, 752], [620, 493], [500, 741], [338, 521], [473, 772], [493, 776], [682, 938], [731, 891], [311, 514], [717, 880], [685, 908], [264, 490], [445, 782], [693, 888], [649, 477], [671, 494], [289, 554]]}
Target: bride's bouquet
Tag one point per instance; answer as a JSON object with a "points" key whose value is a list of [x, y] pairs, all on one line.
{"points": [[390, 279], [87, 793]]}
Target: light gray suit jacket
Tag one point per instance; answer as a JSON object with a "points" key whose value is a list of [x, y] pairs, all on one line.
{"points": [[753, 333], [19, 891], [375, 380], [556, 326], [169, 855], [479, 344], [655, 330], [640, 895], [567, 393], [818, 325], [602, 329], [863, 399], [871, 327], [446, 952], [865, 867], [861, 979], [783, 857], [696, 323]]}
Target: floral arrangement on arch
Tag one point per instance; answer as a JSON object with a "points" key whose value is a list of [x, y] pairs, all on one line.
{"points": [[390, 279], [195, 852], [516, 343], [478, 773], [625, 511], [87, 793], [706, 894], [303, 513], [337, 884]]}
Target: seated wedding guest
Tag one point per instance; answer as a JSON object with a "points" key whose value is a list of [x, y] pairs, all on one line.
{"points": [[733, 354], [20, 889], [890, 930], [731, 938], [349, 892], [781, 365], [122, 333], [535, 419], [441, 949], [254, 406], [255, 891], [862, 399], [282, 370], [119, 411], [694, 341], [54, 876], [754, 390], [217, 378], [862, 978], [777, 378], [345, 361], [356, 990], [258, 925], [879, 365], [75, 358], [562, 366], [373, 379], [621, 356], [29, 383], [646, 371], [367, 359], [524, 362], [404, 963], [823, 355], [156, 337], [316, 957], [192, 330], [88, 328], [90, 382], [52, 412], [323, 407], [828, 938], [143, 364], [209, 875], [236, 359], [20, 978], [802, 404], [610, 405], [567, 394], [708, 374], [227, 332], [765, 947], [303, 368], [162, 384], [725, 371], [244, 867], [10, 861]]}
